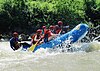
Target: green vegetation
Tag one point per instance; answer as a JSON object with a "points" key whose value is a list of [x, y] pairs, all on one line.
{"points": [[28, 15]]}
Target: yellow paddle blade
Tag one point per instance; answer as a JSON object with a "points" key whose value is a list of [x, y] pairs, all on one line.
{"points": [[32, 47]]}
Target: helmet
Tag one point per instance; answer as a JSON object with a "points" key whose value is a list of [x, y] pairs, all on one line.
{"points": [[15, 34], [56, 26], [43, 27], [60, 22], [52, 27], [39, 31]]}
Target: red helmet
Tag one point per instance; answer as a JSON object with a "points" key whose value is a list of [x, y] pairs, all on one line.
{"points": [[15, 34], [43, 27], [60, 22], [56, 26], [52, 27], [39, 31]]}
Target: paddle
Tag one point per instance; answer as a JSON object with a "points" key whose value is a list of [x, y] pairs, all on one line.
{"points": [[33, 46]]}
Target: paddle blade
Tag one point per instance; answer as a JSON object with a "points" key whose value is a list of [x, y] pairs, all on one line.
{"points": [[32, 47]]}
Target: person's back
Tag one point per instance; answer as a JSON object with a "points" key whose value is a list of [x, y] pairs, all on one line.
{"points": [[48, 35], [14, 41], [58, 27]]}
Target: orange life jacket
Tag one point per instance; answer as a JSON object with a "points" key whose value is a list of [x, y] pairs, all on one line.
{"points": [[35, 36], [58, 31], [48, 32]]}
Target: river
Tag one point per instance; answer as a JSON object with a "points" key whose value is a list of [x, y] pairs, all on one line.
{"points": [[43, 60]]}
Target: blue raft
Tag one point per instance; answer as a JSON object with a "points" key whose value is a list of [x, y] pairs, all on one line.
{"points": [[74, 35]]}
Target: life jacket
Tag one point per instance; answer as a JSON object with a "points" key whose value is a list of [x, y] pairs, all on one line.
{"points": [[47, 34], [52, 29], [35, 36], [14, 43], [58, 31], [43, 31]]}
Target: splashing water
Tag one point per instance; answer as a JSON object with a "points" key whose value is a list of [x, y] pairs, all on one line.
{"points": [[64, 57]]}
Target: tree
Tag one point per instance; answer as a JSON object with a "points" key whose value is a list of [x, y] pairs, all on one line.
{"points": [[92, 12]]}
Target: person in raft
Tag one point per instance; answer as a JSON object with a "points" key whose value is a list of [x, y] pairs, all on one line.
{"points": [[58, 28], [37, 37], [52, 29], [14, 41], [48, 35], [43, 29]]}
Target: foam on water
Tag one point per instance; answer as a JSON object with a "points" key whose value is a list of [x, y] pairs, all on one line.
{"points": [[48, 59]]}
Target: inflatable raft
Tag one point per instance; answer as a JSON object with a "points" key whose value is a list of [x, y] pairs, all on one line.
{"points": [[74, 35]]}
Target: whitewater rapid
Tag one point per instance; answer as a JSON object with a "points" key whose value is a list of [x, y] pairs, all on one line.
{"points": [[45, 60]]}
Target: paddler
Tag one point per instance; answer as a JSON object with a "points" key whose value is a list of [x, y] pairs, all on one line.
{"points": [[48, 35], [37, 37], [43, 29], [58, 28], [52, 28], [14, 41]]}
